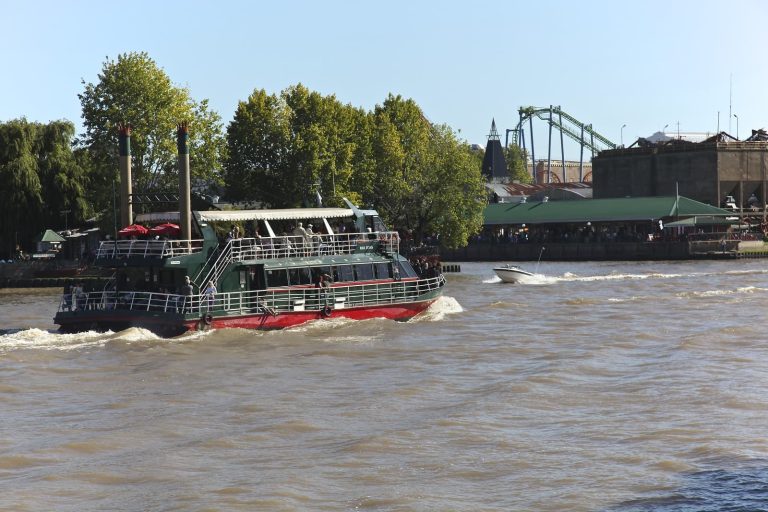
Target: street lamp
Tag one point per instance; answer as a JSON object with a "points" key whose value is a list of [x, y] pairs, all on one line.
{"points": [[737, 126], [664, 130], [622, 134]]}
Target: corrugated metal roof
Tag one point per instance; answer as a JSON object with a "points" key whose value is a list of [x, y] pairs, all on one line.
{"points": [[598, 210], [240, 215], [286, 214]]}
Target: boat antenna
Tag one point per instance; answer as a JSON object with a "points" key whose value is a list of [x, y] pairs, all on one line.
{"points": [[537, 263]]}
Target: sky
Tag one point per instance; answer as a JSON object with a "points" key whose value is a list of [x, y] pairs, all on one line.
{"points": [[682, 64]]}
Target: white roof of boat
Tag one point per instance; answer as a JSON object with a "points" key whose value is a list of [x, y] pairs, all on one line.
{"points": [[240, 215]]}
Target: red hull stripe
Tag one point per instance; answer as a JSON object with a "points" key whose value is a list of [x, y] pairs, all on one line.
{"points": [[292, 318]]}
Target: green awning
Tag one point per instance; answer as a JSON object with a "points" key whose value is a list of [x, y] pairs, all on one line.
{"points": [[51, 236], [706, 220], [598, 210]]}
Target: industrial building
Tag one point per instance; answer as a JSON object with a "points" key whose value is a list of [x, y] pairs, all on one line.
{"points": [[708, 171]]}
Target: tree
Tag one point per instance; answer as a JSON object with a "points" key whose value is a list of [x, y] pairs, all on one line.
{"points": [[258, 141], [284, 150], [438, 189], [134, 90], [419, 177], [517, 164], [41, 177]]}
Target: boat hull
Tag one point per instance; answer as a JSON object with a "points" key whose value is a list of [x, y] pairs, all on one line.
{"points": [[511, 275], [399, 312], [165, 324]]}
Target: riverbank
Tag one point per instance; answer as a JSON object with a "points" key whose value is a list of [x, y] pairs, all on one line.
{"points": [[609, 251], [38, 274]]}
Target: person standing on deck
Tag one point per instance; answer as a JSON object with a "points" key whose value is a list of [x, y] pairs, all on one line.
{"points": [[300, 235], [186, 293], [210, 294]]}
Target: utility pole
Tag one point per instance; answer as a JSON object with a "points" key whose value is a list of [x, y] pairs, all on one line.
{"points": [[65, 213]]}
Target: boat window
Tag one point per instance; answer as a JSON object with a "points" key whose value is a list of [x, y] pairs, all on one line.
{"points": [[406, 270], [300, 275], [378, 224], [364, 271], [257, 277], [382, 270], [345, 273], [277, 277]]}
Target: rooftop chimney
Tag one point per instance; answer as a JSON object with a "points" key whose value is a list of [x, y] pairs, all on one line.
{"points": [[185, 199], [126, 206]]}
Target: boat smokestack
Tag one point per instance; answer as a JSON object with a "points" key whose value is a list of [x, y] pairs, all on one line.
{"points": [[185, 193], [126, 206]]}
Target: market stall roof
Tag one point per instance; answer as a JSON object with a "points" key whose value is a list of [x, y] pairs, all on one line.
{"points": [[598, 210], [706, 220], [240, 215], [51, 236]]}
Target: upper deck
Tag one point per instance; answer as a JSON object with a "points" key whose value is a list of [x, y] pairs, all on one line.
{"points": [[258, 248], [152, 249], [262, 248]]}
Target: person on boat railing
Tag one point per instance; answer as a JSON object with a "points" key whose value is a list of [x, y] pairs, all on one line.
{"points": [[185, 296], [68, 295], [210, 294], [299, 236]]}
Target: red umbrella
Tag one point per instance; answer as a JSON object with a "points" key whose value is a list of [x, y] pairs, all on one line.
{"points": [[165, 229], [133, 230]]}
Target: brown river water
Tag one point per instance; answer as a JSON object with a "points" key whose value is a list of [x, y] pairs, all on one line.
{"points": [[610, 386]]}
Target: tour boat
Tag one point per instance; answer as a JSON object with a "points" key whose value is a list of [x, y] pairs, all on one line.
{"points": [[261, 282], [511, 273]]}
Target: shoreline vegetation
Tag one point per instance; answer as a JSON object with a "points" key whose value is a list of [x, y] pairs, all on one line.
{"points": [[290, 149]]}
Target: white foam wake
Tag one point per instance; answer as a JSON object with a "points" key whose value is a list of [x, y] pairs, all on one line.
{"points": [[46, 340], [443, 306]]}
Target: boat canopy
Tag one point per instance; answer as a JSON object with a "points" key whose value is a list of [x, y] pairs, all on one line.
{"points": [[241, 215]]}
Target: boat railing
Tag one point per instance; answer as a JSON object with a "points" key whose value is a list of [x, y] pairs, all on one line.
{"points": [[218, 267], [289, 246], [273, 302], [118, 249]]}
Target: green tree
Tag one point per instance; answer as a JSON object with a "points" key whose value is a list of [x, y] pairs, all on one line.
{"points": [[258, 141], [439, 189], [41, 177], [419, 177], [283, 150], [134, 90], [517, 164], [323, 145]]}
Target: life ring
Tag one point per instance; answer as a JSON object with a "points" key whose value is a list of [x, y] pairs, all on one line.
{"points": [[326, 311]]}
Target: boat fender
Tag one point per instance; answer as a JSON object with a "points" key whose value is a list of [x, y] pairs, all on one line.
{"points": [[326, 311]]}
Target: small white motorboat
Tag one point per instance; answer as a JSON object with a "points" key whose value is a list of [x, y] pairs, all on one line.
{"points": [[511, 273]]}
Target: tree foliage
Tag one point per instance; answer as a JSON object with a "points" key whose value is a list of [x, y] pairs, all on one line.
{"points": [[517, 164], [420, 177], [41, 177], [135, 91]]}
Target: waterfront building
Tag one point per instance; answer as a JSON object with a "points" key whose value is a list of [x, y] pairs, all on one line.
{"points": [[707, 171]]}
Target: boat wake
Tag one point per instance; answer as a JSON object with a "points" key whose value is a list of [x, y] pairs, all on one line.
{"points": [[719, 293], [443, 306], [39, 339], [568, 276], [47, 340], [535, 279]]}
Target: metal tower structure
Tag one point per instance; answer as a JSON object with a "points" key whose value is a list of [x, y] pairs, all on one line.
{"points": [[569, 126]]}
